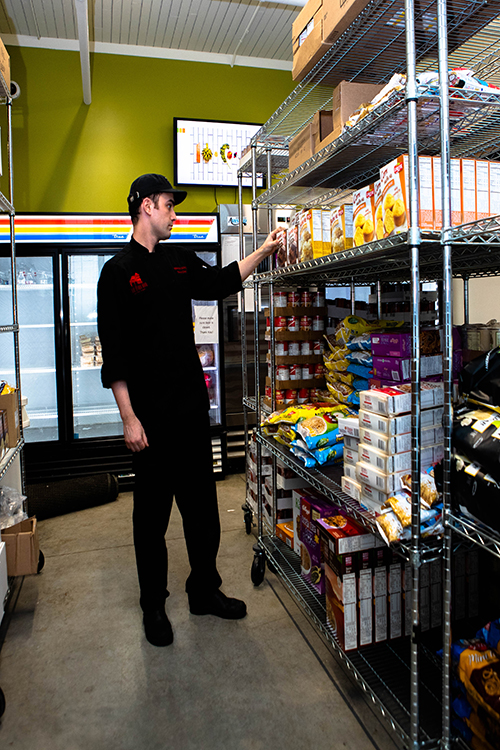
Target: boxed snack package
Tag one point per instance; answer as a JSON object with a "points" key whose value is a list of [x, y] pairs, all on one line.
{"points": [[482, 189], [369, 474], [398, 343], [380, 561], [394, 196], [284, 531], [341, 228], [350, 471], [327, 231], [351, 442], [292, 241], [363, 204], [350, 456], [377, 208], [341, 595], [426, 192], [282, 253], [365, 597], [349, 536], [393, 401], [388, 444], [399, 369], [469, 198], [351, 487], [310, 234], [494, 187], [384, 462], [372, 498], [311, 509], [395, 596], [386, 425], [349, 426]]}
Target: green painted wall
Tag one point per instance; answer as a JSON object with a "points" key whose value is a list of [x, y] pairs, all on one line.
{"points": [[73, 157]]}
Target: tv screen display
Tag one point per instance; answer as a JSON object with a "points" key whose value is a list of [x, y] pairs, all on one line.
{"points": [[207, 152]]}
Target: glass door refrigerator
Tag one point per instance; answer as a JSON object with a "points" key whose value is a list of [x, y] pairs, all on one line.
{"points": [[72, 424]]}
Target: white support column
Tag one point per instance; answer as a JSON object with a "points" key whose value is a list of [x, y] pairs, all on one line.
{"points": [[82, 17]]}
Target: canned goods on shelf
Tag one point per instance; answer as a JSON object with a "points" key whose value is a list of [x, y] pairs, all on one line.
{"points": [[295, 372], [307, 372], [318, 347], [293, 299], [291, 396], [303, 396], [280, 299], [319, 370], [305, 348], [318, 299], [293, 348], [281, 348], [280, 396], [280, 323], [292, 324], [305, 323], [306, 299], [314, 394], [318, 323], [283, 372]]}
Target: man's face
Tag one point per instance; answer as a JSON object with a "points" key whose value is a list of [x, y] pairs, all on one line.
{"points": [[163, 216]]}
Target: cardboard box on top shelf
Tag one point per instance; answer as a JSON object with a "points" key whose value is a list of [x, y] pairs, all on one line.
{"points": [[21, 542], [322, 126], [301, 148], [4, 67], [338, 15], [8, 403], [347, 97], [307, 39]]}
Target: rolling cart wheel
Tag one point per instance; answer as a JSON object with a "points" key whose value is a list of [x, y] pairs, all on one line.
{"points": [[271, 566], [2, 703], [248, 521], [258, 568], [41, 561]]}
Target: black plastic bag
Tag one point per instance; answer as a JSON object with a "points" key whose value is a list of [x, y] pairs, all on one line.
{"points": [[479, 380]]}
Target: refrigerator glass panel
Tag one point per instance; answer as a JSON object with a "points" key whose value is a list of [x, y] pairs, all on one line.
{"points": [[35, 297], [95, 413], [206, 334]]}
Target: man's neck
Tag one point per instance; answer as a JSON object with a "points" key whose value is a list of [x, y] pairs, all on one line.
{"points": [[144, 238]]}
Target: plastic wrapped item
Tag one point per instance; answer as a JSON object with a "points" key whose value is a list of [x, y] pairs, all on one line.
{"points": [[490, 633], [475, 492], [11, 507], [479, 380], [476, 435]]}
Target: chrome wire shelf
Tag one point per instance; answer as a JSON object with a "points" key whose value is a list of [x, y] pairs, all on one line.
{"points": [[279, 161], [9, 458], [9, 329], [371, 51], [474, 533], [6, 206], [475, 253], [327, 482], [382, 670], [355, 157]]}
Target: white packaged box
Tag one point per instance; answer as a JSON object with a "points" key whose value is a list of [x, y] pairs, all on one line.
{"points": [[373, 497], [351, 488], [383, 461], [393, 401], [296, 497], [395, 600], [350, 456], [384, 443], [400, 424], [350, 471], [351, 442], [368, 474], [349, 426]]}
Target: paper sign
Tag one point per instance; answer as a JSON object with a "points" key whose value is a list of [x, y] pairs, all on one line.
{"points": [[206, 324]]}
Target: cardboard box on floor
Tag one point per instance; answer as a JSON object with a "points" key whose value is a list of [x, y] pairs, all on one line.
{"points": [[21, 543], [8, 403]]}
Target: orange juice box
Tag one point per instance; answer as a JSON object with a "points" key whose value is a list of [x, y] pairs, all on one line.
{"points": [[482, 189], [363, 204], [494, 188], [469, 190], [341, 228], [310, 234], [327, 232], [394, 196], [426, 193], [377, 198]]}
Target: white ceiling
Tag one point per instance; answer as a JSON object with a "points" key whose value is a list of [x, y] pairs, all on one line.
{"points": [[241, 32]]}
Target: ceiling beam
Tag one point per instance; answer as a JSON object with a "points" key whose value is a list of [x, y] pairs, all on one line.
{"points": [[82, 17]]}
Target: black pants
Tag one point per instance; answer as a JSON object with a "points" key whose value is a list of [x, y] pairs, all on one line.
{"points": [[178, 462]]}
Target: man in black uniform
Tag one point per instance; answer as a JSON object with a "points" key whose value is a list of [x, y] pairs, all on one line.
{"points": [[152, 366]]}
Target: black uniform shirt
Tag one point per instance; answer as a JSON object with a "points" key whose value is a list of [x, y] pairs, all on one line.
{"points": [[146, 326]]}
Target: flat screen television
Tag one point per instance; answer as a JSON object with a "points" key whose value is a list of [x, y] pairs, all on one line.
{"points": [[208, 152]]}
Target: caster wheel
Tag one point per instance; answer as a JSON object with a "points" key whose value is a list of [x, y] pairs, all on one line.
{"points": [[248, 521], [2, 703], [271, 566], [41, 561], [258, 569]]}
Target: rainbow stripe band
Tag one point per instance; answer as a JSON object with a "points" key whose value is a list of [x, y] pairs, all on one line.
{"points": [[99, 228]]}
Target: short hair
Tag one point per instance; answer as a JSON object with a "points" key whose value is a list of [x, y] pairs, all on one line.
{"points": [[135, 206]]}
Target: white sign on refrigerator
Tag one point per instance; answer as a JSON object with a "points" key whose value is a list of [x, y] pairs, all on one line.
{"points": [[206, 324]]}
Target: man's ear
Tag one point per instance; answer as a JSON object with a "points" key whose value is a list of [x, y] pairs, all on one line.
{"points": [[148, 205]]}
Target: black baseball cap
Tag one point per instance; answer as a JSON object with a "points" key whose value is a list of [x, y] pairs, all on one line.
{"points": [[149, 184]]}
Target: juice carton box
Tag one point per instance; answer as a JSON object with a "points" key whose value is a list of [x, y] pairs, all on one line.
{"points": [[341, 225], [363, 202]]}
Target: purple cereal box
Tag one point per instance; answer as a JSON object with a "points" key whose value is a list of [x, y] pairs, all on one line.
{"points": [[398, 370], [311, 509], [393, 344]]}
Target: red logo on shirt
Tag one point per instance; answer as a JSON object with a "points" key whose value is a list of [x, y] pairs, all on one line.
{"points": [[180, 269], [137, 284]]}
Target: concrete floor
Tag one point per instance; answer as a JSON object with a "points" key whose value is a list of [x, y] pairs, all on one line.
{"points": [[78, 674]]}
